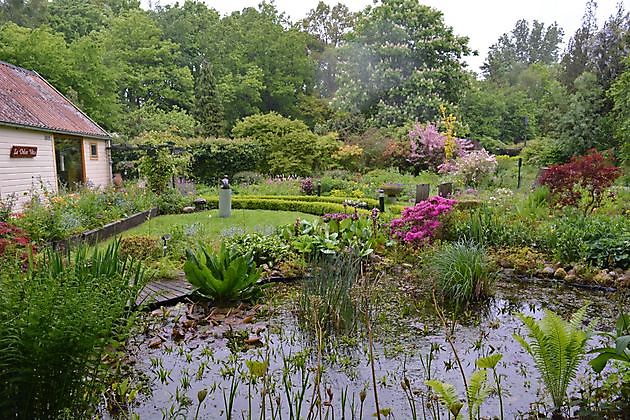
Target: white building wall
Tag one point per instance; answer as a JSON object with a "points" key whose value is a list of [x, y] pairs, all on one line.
{"points": [[25, 176], [97, 170]]}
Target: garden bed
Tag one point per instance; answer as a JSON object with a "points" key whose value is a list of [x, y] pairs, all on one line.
{"points": [[93, 236]]}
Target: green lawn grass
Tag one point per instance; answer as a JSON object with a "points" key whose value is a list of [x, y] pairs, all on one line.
{"points": [[214, 226]]}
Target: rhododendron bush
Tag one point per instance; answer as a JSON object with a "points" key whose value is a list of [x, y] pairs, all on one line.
{"points": [[419, 224], [427, 147]]}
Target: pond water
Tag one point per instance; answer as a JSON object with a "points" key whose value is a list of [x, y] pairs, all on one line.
{"points": [[190, 347]]}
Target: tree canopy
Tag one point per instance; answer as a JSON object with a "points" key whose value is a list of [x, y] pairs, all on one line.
{"points": [[400, 63], [185, 69]]}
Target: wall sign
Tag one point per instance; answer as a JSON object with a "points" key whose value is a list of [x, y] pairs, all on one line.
{"points": [[23, 151]]}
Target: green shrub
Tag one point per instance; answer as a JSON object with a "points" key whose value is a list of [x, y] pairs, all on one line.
{"points": [[223, 277], [557, 347], [56, 322], [369, 203], [278, 186], [544, 152], [315, 208], [171, 201], [491, 226], [159, 164], [462, 272], [601, 240], [265, 249], [330, 183], [140, 247], [310, 205], [492, 145], [288, 146]]}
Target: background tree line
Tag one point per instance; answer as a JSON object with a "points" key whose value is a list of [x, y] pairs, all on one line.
{"points": [[186, 69]]}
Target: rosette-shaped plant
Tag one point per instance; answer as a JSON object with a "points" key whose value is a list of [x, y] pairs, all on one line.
{"points": [[223, 277]]}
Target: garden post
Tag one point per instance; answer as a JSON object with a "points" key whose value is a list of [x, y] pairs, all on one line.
{"points": [[225, 198], [520, 163], [319, 189], [422, 192], [445, 189], [381, 200]]}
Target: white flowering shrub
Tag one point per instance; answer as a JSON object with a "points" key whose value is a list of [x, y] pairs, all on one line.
{"points": [[474, 167]]}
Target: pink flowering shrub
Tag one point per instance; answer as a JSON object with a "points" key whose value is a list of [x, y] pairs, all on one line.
{"points": [[473, 167], [426, 145], [419, 224]]}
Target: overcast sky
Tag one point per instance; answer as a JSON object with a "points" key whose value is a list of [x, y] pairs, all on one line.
{"points": [[483, 21]]}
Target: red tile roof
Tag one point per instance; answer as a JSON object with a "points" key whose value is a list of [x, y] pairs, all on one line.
{"points": [[27, 100]]}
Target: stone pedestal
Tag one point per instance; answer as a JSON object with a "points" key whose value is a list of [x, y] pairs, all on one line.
{"points": [[225, 202]]}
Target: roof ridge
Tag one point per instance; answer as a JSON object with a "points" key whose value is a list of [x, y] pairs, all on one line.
{"points": [[13, 66], [51, 117]]}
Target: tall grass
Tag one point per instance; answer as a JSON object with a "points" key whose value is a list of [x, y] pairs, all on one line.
{"points": [[462, 272], [56, 321], [326, 299]]}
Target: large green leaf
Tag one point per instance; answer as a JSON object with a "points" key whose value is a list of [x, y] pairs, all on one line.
{"points": [[489, 362]]}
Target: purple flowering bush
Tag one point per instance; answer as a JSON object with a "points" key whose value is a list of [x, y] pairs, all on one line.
{"points": [[338, 217], [427, 147], [307, 186], [419, 224]]}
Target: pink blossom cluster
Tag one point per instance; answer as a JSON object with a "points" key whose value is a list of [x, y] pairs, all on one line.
{"points": [[427, 146], [339, 216], [419, 224]]}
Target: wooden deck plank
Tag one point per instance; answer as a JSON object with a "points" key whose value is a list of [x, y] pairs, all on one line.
{"points": [[161, 291]]}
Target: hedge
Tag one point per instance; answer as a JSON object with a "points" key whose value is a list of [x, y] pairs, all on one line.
{"points": [[371, 203], [212, 159], [281, 204]]}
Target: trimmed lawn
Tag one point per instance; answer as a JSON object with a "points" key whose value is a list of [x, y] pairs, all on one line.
{"points": [[213, 225]]}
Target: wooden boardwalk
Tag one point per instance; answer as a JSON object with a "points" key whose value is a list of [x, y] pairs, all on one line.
{"points": [[164, 292]]}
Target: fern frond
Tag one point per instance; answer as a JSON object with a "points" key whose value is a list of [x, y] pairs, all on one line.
{"points": [[478, 390], [447, 395], [557, 347]]}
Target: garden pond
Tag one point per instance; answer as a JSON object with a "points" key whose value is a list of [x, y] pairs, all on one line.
{"points": [[206, 362]]}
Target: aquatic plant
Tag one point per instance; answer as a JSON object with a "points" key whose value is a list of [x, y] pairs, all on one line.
{"points": [[462, 272], [620, 352], [223, 277], [557, 347], [325, 299], [476, 387], [490, 362]]}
